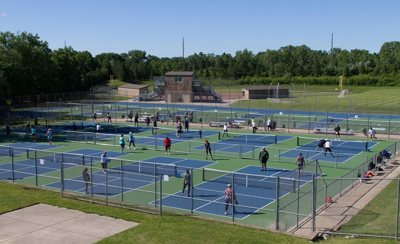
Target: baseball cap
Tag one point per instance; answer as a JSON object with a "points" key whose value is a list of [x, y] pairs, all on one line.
{"points": [[229, 185]]}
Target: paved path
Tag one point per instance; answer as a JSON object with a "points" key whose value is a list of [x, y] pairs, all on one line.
{"points": [[44, 224], [342, 209]]}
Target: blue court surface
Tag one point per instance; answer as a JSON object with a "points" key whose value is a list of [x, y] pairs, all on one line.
{"points": [[341, 151], [131, 180], [244, 143], [32, 145], [48, 162], [253, 192]]}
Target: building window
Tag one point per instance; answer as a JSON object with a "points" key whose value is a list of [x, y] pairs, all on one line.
{"points": [[178, 79]]}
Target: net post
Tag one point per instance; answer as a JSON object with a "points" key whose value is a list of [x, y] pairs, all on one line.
{"points": [[275, 139], [36, 170], [366, 146], [219, 135], [83, 160], [121, 172], [240, 151], [277, 203], [203, 174], [298, 141], [86, 137]]}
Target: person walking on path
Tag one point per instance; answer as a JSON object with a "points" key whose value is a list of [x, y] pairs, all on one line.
{"points": [[86, 179], [230, 198], [122, 142], [207, 147], [104, 161], [187, 182], [337, 132], [263, 157], [131, 141], [49, 134], [167, 145], [300, 164]]}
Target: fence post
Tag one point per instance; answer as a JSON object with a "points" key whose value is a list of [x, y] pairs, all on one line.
{"points": [[106, 185], [397, 211], [313, 202], [122, 180], [62, 177], [298, 201], [155, 192], [233, 197], [12, 165], [191, 189], [277, 204], [36, 170], [160, 194]]}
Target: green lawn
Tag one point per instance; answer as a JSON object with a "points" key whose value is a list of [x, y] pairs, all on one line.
{"points": [[325, 98], [152, 228], [378, 216]]}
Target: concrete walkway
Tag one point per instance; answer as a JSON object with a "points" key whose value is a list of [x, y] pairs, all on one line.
{"points": [[44, 224], [342, 209]]}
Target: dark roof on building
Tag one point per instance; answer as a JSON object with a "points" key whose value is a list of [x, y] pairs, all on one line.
{"points": [[179, 73], [259, 88], [134, 86]]}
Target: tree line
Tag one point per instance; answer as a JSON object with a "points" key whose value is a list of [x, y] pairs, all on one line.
{"points": [[28, 66]]}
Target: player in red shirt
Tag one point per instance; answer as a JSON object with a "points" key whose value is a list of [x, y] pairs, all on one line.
{"points": [[167, 145]]}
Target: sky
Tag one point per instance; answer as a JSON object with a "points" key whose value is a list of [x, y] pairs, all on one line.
{"points": [[208, 26]]}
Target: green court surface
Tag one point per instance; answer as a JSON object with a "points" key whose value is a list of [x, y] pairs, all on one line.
{"points": [[230, 155]]}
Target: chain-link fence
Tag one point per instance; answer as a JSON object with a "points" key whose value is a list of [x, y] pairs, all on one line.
{"points": [[283, 201]]}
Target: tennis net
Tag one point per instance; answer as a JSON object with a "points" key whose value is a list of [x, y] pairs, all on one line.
{"points": [[248, 138], [70, 158], [174, 132], [249, 180], [150, 168], [312, 143]]}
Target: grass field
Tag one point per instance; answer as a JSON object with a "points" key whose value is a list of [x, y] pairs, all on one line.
{"points": [[359, 100]]}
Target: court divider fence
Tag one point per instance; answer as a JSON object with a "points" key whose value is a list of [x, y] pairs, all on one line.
{"points": [[282, 202], [285, 118]]}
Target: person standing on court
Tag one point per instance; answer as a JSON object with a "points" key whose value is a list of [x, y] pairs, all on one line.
{"points": [[167, 145], [122, 142], [207, 147], [49, 134], [230, 198], [155, 127], [337, 132], [225, 130], [148, 121], [109, 118], [131, 141], [104, 161], [136, 119], [254, 126], [186, 124], [263, 157], [300, 164], [86, 179], [269, 124], [187, 182], [94, 117], [328, 147], [33, 133]]}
